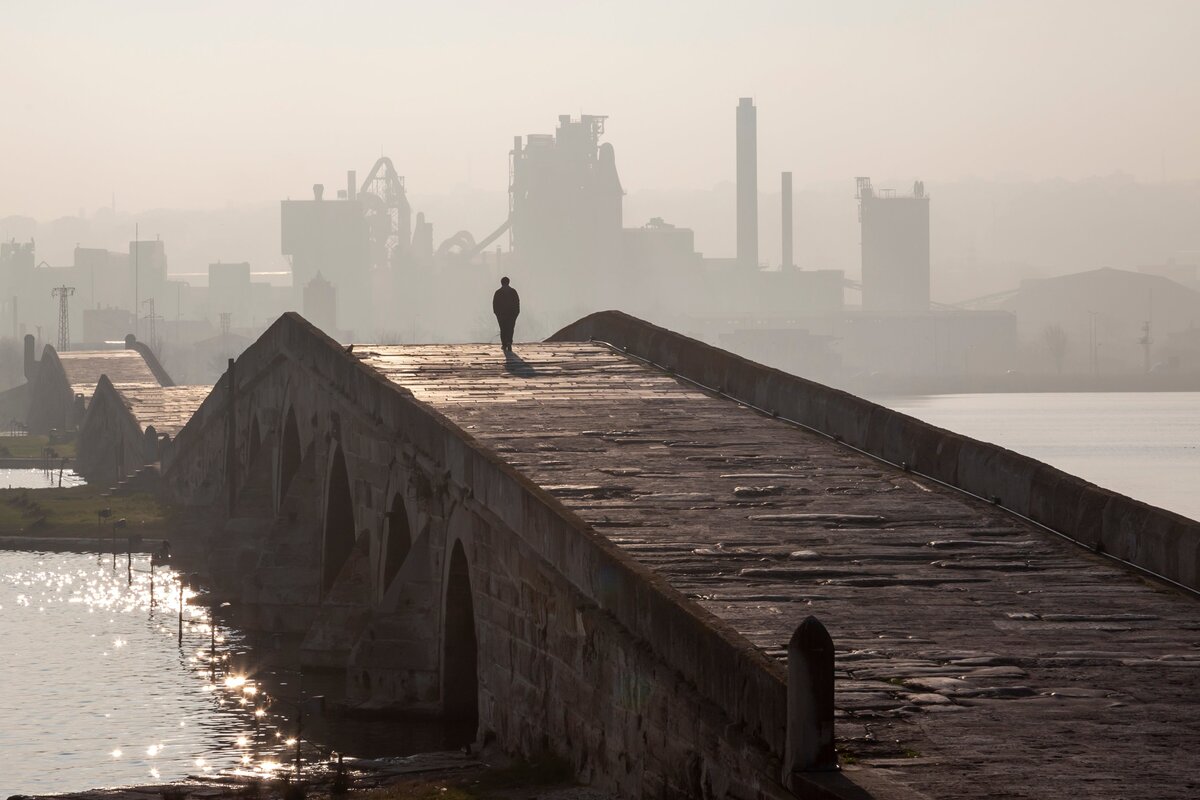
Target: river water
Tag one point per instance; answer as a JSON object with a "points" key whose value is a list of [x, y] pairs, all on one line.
{"points": [[1145, 445], [95, 689], [26, 478]]}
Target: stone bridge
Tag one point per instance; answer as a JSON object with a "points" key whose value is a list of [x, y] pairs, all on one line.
{"points": [[601, 544]]}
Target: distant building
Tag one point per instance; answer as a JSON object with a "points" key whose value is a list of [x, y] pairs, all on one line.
{"points": [[793, 350], [16, 277], [565, 206], [331, 237], [107, 278], [320, 304], [660, 245], [229, 292], [1105, 314], [106, 325], [895, 249], [148, 265]]}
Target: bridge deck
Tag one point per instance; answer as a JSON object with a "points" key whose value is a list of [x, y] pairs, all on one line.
{"points": [[978, 655], [167, 408]]}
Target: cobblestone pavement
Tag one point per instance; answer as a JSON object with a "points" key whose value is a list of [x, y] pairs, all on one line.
{"points": [[978, 656]]}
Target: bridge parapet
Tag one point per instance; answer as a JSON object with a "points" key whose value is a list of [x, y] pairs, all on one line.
{"points": [[1149, 538]]}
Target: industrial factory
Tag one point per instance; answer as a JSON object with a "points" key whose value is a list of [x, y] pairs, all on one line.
{"points": [[363, 265]]}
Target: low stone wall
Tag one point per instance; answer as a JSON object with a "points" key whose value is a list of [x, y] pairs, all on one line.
{"points": [[1151, 538]]}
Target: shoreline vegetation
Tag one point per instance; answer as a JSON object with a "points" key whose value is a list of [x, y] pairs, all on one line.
{"points": [[36, 448], [75, 513]]}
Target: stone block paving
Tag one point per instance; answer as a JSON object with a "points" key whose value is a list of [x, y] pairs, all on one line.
{"points": [[83, 369], [167, 408], [978, 655]]}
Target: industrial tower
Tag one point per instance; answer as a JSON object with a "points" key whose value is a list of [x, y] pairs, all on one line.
{"points": [[747, 184], [64, 323]]}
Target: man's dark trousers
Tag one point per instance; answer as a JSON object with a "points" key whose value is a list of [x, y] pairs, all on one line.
{"points": [[506, 330]]}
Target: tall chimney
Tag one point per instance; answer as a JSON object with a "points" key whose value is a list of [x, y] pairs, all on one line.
{"points": [[747, 183], [351, 185], [786, 191]]}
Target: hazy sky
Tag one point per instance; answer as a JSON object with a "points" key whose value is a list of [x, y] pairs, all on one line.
{"points": [[208, 104]]}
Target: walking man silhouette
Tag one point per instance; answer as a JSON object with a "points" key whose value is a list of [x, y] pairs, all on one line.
{"points": [[506, 305]]}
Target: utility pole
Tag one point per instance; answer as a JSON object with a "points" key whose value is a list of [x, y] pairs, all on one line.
{"points": [[136, 289], [64, 323], [1145, 342], [151, 325]]}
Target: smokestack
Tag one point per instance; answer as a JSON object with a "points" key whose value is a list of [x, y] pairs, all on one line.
{"points": [[747, 183], [318, 191], [351, 185], [786, 191]]}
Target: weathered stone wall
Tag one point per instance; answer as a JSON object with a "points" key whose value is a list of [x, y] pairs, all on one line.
{"points": [[1149, 537], [581, 650], [110, 444], [50, 399]]}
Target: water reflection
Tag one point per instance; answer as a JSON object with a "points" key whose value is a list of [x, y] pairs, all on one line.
{"points": [[109, 678], [25, 478]]}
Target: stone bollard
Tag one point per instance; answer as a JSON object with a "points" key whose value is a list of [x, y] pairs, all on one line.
{"points": [[809, 746]]}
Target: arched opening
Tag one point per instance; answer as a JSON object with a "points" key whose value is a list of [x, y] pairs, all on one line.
{"points": [[289, 453], [339, 521], [460, 678], [399, 540]]}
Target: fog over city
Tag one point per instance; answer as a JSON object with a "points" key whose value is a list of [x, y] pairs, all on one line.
{"points": [[1049, 140], [599, 399]]}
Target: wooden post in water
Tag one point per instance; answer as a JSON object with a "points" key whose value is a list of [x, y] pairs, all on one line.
{"points": [[129, 560], [181, 611], [212, 643], [118, 524], [809, 745]]}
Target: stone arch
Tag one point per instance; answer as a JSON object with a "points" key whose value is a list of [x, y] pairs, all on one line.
{"points": [[290, 453], [460, 668], [339, 530], [398, 542]]}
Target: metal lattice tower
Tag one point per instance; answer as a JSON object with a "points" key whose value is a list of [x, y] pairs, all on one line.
{"points": [[152, 325], [64, 322]]}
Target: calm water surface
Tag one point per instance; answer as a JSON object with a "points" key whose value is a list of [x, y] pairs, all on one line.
{"points": [[38, 478], [95, 690], [1145, 445]]}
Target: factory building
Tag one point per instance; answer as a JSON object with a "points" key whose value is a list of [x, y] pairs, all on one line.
{"points": [[331, 237], [229, 292], [320, 304], [895, 249], [747, 184], [565, 206]]}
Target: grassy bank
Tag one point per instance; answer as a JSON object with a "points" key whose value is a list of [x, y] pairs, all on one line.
{"points": [[73, 512], [34, 447]]}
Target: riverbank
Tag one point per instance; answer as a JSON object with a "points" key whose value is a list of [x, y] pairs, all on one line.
{"points": [[35, 449], [446, 776], [77, 512]]}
